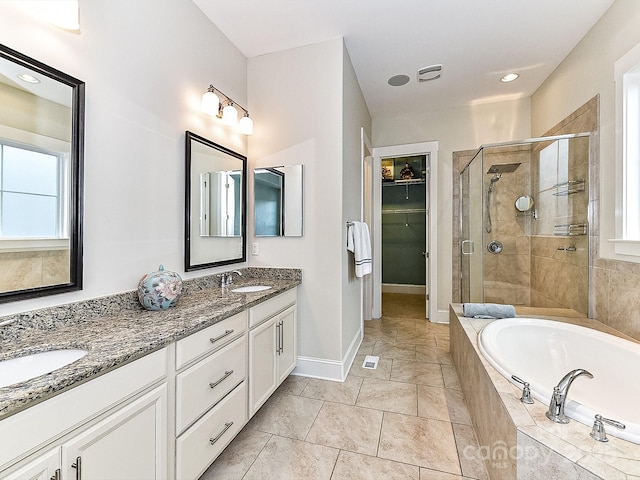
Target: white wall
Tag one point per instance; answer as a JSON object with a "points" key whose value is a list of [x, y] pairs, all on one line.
{"points": [[355, 116], [455, 129], [146, 64], [584, 73], [295, 99]]}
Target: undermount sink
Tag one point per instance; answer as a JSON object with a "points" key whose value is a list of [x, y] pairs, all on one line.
{"points": [[251, 289], [19, 369]]}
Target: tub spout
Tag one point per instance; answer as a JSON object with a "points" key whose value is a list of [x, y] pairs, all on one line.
{"points": [[559, 397]]}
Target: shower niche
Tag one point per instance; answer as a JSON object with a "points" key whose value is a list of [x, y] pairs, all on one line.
{"points": [[530, 197]]}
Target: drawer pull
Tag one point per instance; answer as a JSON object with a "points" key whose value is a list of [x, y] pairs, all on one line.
{"points": [[220, 337], [218, 382], [227, 426], [78, 467], [56, 476]]}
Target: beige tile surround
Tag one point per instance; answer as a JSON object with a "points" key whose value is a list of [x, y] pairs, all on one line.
{"points": [[504, 424], [405, 420], [613, 292], [30, 269]]}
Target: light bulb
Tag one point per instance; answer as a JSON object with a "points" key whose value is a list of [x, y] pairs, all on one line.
{"points": [[210, 103], [230, 115], [245, 125], [63, 14]]}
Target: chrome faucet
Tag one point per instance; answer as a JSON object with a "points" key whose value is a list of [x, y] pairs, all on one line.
{"points": [[227, 278], [559, 397]]}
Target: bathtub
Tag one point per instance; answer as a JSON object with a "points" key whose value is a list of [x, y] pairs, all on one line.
{"points": [[541, 352]]}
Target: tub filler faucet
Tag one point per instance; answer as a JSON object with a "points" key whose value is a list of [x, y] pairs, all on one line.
{"points": [[559, 397]]}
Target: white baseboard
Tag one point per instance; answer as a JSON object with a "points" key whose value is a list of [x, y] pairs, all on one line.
{"points": [[442, 317], [324, 369], [401, 288]]}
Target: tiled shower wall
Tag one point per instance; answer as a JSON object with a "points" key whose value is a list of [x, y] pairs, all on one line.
{"points": [[507, 274], [614, 295]]}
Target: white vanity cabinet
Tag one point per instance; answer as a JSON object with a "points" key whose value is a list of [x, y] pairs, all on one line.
{"points": [[211, 393], [272, 346], [44, 467], [130, 443], [113, 427]]}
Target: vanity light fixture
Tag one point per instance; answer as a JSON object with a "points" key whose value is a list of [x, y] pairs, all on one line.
{"points": [[510, 77], [62, 13], [217, 104], [230, 115]]}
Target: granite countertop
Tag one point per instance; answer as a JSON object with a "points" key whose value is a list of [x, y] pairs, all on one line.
{"points": [[116, 339]]}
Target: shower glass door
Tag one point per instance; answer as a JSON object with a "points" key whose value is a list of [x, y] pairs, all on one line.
{"points": [[471, 234]]}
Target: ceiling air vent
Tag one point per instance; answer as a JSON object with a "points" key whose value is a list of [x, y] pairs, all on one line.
{"points": [[429, 73]]}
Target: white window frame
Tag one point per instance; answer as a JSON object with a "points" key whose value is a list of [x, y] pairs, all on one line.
{"points": [[627, 85], [61, 239]]}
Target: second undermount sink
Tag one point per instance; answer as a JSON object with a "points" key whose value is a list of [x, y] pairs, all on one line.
{"points": [[19, 369], [251, 289]]}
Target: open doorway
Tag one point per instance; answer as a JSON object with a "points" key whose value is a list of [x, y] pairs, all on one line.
{"points": [[404, 193], [404, 235]]}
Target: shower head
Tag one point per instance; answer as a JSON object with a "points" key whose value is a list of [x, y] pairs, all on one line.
{"points": [[496, 177], [503, 167]]}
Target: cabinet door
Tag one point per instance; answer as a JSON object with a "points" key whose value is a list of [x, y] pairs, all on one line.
{"points": [[43, 467], [288, 352], [129, 444], [262, 364]]}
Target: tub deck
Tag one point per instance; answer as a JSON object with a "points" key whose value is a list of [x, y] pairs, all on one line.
{"points": [[517, 440]]}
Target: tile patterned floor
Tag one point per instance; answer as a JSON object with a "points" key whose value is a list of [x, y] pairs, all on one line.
{"points": [[405, 420]]}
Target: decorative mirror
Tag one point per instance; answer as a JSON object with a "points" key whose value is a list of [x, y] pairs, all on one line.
{"points": [[524, 203], [215, 204], [277, 193], [41, 159]]}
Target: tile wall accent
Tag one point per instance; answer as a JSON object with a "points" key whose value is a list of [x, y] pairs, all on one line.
{"points": [[614, 295], [30, 269], [506, 275]]}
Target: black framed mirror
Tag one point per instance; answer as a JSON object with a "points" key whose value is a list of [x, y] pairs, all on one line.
{"points": [[215, 204], [278, 201], [41, 178]]}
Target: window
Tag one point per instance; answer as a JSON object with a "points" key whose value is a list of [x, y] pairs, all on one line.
{"points": [[627, 78], [31, 192]]}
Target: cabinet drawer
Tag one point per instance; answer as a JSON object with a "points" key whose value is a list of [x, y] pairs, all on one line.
{"points": [[199, 446], [269, 308], [204, 384], [209, 339]]}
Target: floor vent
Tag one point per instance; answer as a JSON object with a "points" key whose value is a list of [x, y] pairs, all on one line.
{"points": [[371, 362]]}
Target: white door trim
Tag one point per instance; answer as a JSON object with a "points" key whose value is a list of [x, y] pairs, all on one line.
{"points": [[410, 149]]}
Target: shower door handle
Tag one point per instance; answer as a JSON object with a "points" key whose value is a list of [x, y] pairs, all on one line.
{"points": [[469, 250]]}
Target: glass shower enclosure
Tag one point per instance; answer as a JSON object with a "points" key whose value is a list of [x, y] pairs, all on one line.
{"points": [[524, 223]]}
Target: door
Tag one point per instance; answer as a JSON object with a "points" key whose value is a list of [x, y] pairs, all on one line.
{"points": [[262, 364], [471, 234], [44, 467], [367, 217], [287, 354], [128, 445]]}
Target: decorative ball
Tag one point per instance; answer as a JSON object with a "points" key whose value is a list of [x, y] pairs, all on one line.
{"points": [[159, 290]]}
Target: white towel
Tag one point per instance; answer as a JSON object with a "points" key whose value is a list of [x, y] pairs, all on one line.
{"points": [[359, 243]]}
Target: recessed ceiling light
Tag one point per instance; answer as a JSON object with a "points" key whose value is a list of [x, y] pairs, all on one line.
{"points": [[510, 77], [398, 80], [429, 73], [25, 77]]}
